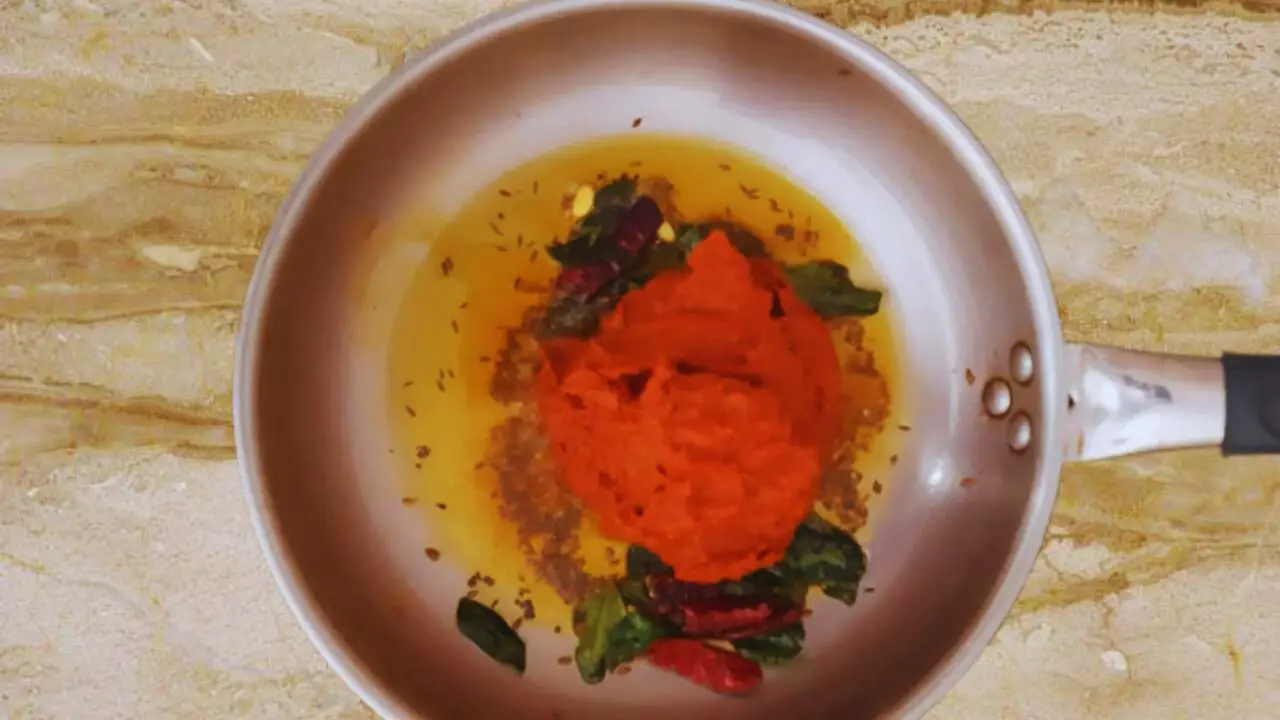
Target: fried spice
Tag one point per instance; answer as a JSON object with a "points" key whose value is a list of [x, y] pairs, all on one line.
{"points": [[545, 514]]}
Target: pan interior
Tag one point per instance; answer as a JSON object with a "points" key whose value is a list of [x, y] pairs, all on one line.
{"points": [[316, 432]]}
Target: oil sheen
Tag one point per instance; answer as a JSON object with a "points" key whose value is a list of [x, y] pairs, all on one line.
{"points": [[487, 266]]}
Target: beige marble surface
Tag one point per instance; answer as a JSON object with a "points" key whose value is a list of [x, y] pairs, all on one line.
{"points": [[145, 145]]}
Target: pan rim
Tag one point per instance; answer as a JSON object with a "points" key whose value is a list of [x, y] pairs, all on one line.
{"points": [[921, 101]]}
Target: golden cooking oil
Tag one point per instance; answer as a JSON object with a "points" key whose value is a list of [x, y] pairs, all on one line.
{"points": [[488, 265]]}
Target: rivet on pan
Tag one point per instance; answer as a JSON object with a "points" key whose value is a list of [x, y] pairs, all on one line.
{"points": [[1020, 431], [997, 397], [1021, 363]]}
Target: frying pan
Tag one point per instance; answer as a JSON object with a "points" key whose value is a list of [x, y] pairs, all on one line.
{"points": [[969, 288]]}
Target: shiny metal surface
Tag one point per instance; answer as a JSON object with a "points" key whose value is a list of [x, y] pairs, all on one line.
{"points": [[1122, 402], [935, 217]]}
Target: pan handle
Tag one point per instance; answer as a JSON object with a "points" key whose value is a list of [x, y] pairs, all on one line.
{"points": [[1121, 402]]}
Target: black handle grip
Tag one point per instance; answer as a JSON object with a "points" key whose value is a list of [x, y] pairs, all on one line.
{"points": [[1252, 385]]}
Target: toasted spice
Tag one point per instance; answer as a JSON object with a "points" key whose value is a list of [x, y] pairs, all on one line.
{"points": [[432, 554], [517, 364], [422, 452], [531, 496]]}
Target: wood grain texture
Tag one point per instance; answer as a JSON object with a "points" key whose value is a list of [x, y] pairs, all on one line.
{"points": [[144, 147]]}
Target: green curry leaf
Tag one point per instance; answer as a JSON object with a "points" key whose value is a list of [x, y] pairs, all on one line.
{"points": [[827, 557], [609, 634], [659, 257], [490, 633], [619, 191], [635, 593], [642, 563], [630, 638], [593, 622], [775, 648], [824, 285], [589, 241]]}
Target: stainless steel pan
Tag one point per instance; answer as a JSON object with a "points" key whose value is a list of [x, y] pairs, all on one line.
{"points": [[935, 217]]}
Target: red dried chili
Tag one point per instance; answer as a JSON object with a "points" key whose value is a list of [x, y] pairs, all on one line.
{"points": [[712, 668], [706, 620], [710, 611]]}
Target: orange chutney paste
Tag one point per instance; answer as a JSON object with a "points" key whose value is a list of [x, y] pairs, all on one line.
{"points": [[695, 423]]}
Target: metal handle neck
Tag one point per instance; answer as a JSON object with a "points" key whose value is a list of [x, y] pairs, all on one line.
{"points": [[1121, 402]]}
